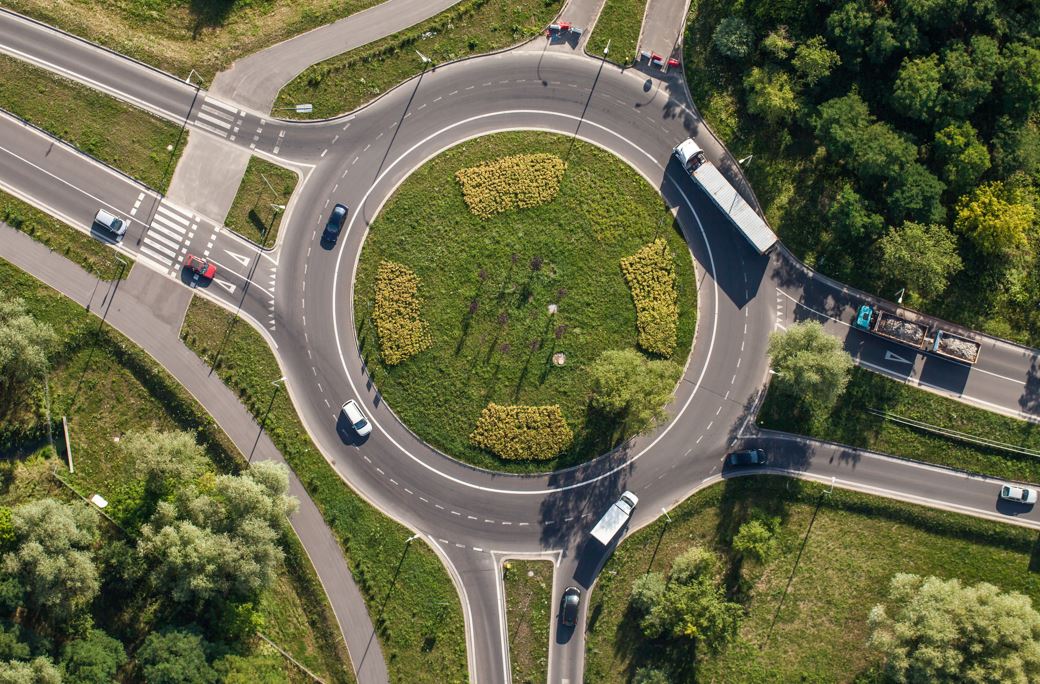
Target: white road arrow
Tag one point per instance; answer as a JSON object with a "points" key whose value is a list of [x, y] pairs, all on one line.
{"points": [[238, 257], [227, 286], [889, 356]]}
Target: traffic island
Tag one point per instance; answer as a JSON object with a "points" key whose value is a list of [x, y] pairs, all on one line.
{"points": [[530, 262], [260, 202], [528, 587]]}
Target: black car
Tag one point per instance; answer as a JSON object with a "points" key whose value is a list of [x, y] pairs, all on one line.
{"points": [[748, 457], [569, 606], [335, 224]]}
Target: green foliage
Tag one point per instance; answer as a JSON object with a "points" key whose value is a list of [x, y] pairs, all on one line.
{"points": [[259, 204], [94, 659], [627, 385], [757, 538], [165, 461], [25, 345], [650, 274], [778, 44], [7, 533], [39, 670], [812, 367], [851, 218], [770, 94], [519, 181], [53, 558], [921, 257], [649, 675], [402, 333], [175, 657], [1021, 79], [814, 61], [996, 219], [918, 87], [968, 74], [733, 38], [522, 432], [936, 630], [963, 156]]}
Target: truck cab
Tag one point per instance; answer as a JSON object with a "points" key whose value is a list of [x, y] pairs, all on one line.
{"points": [[690, 154], [863, 316]]}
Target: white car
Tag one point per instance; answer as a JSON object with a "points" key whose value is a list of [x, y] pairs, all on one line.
{"points": [[1018, 494], [357, 419]]}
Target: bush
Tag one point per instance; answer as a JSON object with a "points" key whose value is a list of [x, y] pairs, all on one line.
{"points": [[650, 274], [733, 38], [515, 182], [522, 432], [402, 334]]}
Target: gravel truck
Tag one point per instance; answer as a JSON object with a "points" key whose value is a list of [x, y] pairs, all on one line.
{"points": [[916, 335], [615, 518], [725, 196], [955, 347]]}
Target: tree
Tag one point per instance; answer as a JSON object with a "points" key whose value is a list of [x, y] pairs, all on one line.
{"points": [[39, 670], [757, 538], [915, 193], [851, 219], [840, 123], [917, 88], [53, 558], [1020, 81], [921, 257], [814, 61], [811, 365], [690, 606], [770, 94], [25, 345], [628, 385], [165, 461], [963, 156], [648, 675], [996, 220], [175, 657], [94, 659], [935, 630], [849, 26], [733, 38], [777, 43], [968, 73]]}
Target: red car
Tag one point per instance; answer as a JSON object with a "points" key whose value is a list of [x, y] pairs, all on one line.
{"points": [[200, 266]]}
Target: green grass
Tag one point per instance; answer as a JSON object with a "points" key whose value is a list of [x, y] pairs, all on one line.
{"points": [[619, 22], [253, 214], [178, 36], [93, 366], [471, 27], [604, 211], [130, 139], [410, 596], [855, 545], [851, 423], [529, 608], [93, 255]]}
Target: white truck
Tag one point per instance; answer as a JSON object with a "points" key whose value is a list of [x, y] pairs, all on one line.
{"points": [[725, 196], [615, 518]]}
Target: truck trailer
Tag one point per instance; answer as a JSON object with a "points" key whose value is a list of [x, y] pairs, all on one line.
{"points": [[916, 335], [615, 518], [725, 196]]}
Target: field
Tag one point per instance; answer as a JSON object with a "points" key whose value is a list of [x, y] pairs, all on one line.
{"points": [[420, 627], [619, 22], [855, 544], [258, 208], [852, 423], [140, 145], [528, 612], [94, 365], [487, 284], [472, 27]]}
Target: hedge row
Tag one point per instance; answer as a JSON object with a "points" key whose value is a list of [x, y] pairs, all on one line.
{"points": [[402, 334], [522, 433], [650, 274], [515, 182]]}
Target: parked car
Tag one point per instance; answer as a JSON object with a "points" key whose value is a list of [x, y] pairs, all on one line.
{"points": [[569, 606], [111, 223], [335, 223], [201, 267], [1018, 494], [356, 418], [748, 457]]}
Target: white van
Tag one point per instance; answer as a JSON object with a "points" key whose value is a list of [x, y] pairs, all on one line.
{"points": [[357, 419], [110, 222]]}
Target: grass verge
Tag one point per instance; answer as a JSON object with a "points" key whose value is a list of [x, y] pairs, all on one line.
{"points": [[852, 423], [204, 35], [130, 139], [512, 266], [92, 365], [528, 611], [93, 255], [255, 214], [410, 596], [619, 23], [856, 543], [471, 27]]}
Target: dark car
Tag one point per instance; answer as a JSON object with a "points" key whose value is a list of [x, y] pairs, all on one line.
{"points": [[748, 457], [569, 606], [336, 220]]}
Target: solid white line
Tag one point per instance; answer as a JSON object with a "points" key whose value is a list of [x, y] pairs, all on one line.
{"points": [[217, 103], [160, 247], [220, 122]]}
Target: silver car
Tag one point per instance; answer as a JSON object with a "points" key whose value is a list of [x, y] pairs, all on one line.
{"points": [[111, 223], [356, 418], [1018, 494]]}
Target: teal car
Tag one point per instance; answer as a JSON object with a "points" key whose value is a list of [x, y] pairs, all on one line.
{"points": [[863, 316]]}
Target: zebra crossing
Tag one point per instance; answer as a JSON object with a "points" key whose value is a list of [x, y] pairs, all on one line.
{"points": [[219, 118], [169, 235]]}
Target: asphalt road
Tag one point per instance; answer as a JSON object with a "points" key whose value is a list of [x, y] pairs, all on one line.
{"points": [[473, 517]]}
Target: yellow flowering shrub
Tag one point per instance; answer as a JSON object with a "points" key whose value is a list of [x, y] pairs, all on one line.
{"points": [[515, 182], [650, 274], [402, 333], [522, 433]]}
